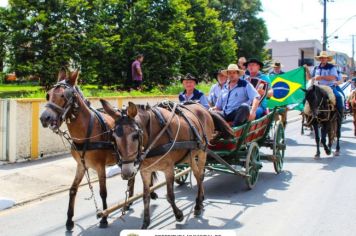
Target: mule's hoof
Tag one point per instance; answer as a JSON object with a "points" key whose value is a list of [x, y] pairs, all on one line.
{"points": [[337, 153], [69, 225], [317, 157], [179, 216], [197, 212], [145, 225], [103, 224], [154, 195], [328, 152]]}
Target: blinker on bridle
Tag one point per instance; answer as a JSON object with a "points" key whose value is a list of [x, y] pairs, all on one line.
{"points": [[69, 96]]}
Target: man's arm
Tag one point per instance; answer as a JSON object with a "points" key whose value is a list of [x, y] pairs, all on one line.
{"points": [[254, 107], [138, 70]]}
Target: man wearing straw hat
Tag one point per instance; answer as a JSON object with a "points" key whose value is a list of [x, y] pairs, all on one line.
{"points": [[277, 68], [326, 74], [236, 98]]}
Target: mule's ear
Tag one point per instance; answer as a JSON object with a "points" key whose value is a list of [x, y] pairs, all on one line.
{"points": [[73, 78], [132, 110], [62, 75], [110, 110]]}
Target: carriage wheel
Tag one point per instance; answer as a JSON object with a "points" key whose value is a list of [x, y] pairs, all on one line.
{"points": [[182, 179], [252, 165], [278, 147]]}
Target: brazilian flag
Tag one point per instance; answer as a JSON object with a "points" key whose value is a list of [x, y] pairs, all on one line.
{"points": [[288, 89]]}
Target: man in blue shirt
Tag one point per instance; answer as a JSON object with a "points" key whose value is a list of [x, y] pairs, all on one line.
{"points": [[236, 98], [261, 82], [326, 74], [190, 93], [215, 90]]}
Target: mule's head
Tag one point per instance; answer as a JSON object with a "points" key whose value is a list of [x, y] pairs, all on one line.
{"points": [[60, 100], [317, 99], [128, 136]]}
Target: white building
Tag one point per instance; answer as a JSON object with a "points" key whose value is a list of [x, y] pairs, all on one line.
{"points": [[293, 54]]}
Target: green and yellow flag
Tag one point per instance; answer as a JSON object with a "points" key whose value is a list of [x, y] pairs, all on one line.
{"points": [[287, 89]]}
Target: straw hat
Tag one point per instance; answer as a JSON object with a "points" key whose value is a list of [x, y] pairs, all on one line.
{"points": [[324, 54], [277, 64], [233, 67]]}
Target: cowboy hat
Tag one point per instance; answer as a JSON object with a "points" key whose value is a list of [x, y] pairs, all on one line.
{"points": [[233, 67], [324, 54], [220, 72], [254, 60], [277, 64], [189, 77]]}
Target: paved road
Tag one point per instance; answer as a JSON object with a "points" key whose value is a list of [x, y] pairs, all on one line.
{"points": [[309, 198]]}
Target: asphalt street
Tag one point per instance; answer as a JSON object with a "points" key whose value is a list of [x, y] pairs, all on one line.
{"points": [[308, 198]]}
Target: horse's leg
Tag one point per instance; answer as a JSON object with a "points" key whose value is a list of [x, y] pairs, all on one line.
{"points": [[72, 193], [169, 174], [146, 179], [198, 171], [317, 140], [153, 194], [131, 186], [303, 120], [103, 194], [338, 135], [324, 130]]}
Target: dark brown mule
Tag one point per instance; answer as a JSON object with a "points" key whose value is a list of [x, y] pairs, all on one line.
{"points": [[135, 131], [352, 101], [66, 103]]}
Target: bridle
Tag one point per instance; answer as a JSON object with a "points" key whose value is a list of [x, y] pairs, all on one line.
{"points": [[118, 132], [71, 103]]}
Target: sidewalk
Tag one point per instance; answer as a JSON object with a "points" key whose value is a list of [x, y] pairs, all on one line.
{"points": [[32, 180]]}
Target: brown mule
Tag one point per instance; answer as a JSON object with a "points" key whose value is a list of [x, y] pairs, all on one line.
{"points": [[352, 102], [134, 133], [66, 103]]}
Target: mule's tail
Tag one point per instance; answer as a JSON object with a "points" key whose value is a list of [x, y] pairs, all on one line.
{"points": [[224, 129]]}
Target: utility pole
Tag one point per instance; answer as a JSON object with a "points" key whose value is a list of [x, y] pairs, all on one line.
{"points": [[353, 54], [324, 27]]}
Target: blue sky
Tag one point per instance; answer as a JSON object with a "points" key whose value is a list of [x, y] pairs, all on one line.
{"points": [[301, 19]]}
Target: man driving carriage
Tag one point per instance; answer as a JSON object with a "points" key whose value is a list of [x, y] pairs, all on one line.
{"points": [[326, 74], [236, 98], [190, 93]]}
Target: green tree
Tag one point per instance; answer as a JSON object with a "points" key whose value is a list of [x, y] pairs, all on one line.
{"points": [[215, 47], [251, 31]]}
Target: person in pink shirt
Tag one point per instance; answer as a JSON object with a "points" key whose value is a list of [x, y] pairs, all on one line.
{"points": [[136, 71]]}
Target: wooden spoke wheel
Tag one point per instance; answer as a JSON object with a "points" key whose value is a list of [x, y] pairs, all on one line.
{"points": [[252, 165], [279, 147], [182, 179]]}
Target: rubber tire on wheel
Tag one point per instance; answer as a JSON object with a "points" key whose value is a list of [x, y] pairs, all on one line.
{"points": [[278, 151], [253, 156], [181, 180]]}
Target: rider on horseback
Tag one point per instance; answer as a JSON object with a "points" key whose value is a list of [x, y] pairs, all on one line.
{"points": [[326, 74]]}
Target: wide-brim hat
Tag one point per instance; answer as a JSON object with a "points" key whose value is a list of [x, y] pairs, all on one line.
{"points": [[220, 72], [324, 54], [189, 77], [233, 67], [254, 60], [277, 64]]}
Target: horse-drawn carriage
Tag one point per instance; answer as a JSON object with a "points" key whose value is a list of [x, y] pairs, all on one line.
{"points": [[241, 155]]}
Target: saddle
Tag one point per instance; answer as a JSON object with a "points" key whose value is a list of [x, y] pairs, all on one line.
{"points": [[331, 96]]}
